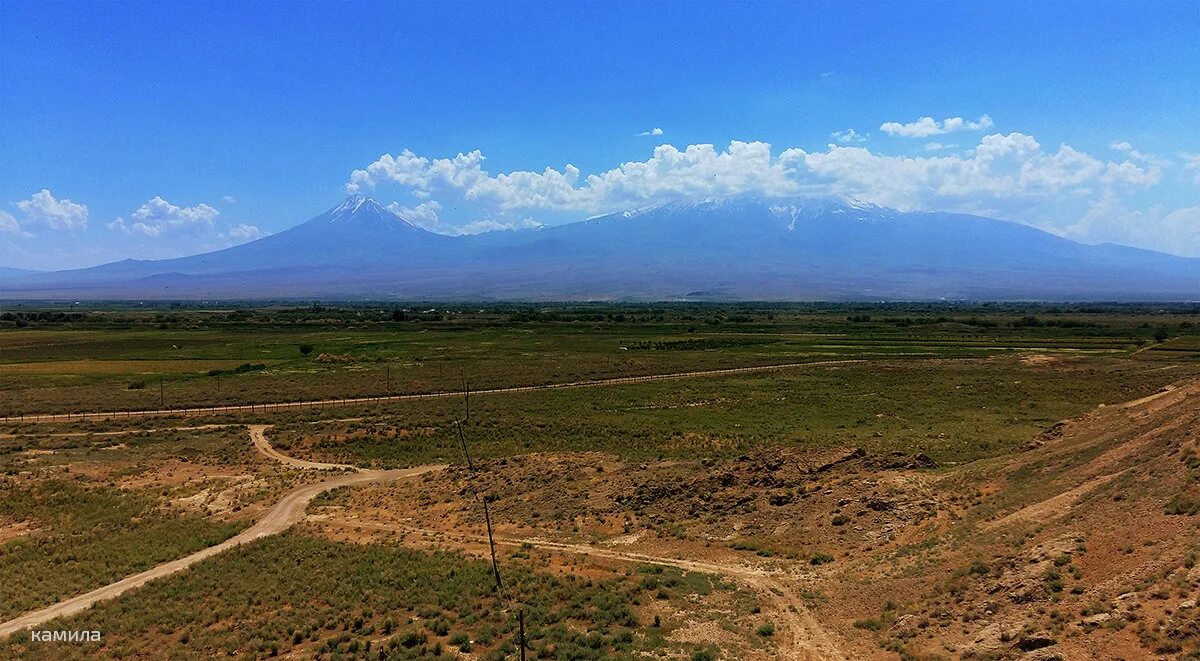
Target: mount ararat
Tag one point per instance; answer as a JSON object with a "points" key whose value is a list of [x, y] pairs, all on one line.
{"points": [[713, 249]]}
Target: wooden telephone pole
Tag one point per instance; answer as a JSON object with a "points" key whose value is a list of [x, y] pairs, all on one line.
{"points": [[487, 515]]}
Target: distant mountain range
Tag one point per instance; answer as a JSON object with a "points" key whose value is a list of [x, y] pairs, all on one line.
{"points": [[714, 249]]}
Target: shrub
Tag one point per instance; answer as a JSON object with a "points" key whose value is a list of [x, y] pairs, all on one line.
{"points": [[1183, 504]]}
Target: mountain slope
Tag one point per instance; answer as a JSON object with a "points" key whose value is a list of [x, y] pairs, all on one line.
{"points": [[734, 248]]}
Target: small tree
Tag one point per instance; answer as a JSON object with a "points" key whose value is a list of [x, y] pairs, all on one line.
{"points": [[1160, 335], [305, 349]]}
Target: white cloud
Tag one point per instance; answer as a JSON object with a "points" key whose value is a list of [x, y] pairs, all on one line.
{"points": [[423, 215], [244, 232], [1191, 163], [426, 216], [229, 199], [653, 131], [1003, 171], [158, 216], [848, 136], [698, 170], [490, 225], [8, 224], [937, 146], [928, 126], [43, 210], [1009, 176], [1109, 220]]}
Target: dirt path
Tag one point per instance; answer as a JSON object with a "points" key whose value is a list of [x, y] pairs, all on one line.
{"points": [[319, 403], [806, 639], [258, 435], [282, 516]]}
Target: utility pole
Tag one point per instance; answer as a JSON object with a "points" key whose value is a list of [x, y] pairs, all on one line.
{"points": [[487, 518], [463, 439], [466, 397]]}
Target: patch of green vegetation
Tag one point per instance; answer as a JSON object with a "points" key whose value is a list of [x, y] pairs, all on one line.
{"points": [[419, 348], [226, 446], [84, 537], [1184, 504], [968, 410], [298, 594]]}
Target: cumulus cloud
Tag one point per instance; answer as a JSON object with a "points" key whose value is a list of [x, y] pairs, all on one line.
{"points": [[43, 210], [426, 215], [159, 216], [243, 232], [1010, 176], [1002, 170], [1000, 166], [9, 224], [928, 126], [668, 173], [848, 136], [653, 131]]}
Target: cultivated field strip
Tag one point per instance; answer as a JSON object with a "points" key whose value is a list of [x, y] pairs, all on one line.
{"points": [[321, 403]]}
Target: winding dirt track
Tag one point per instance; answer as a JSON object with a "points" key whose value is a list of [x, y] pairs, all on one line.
{"points": [[319, 403], [286, 513], [258, 435]]}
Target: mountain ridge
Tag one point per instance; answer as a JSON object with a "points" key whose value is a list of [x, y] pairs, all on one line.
{"points": [[750, 248]]}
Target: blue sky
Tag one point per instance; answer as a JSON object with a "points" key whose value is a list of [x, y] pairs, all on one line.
{"points": [[160, 129]]}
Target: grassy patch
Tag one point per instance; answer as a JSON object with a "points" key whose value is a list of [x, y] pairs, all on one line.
{"points": [[85, 537], [297, 594]]}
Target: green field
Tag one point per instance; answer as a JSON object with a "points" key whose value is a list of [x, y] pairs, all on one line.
{"points": [[952, 410], [118, 359]]}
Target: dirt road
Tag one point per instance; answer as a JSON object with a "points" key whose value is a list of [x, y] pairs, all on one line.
{"points": [[258, 435], [319, 403], [282, 516]]}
